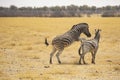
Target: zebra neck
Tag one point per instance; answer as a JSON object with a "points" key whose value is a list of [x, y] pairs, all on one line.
{"points": [[75, 35], [97, 39], [75, 32]]}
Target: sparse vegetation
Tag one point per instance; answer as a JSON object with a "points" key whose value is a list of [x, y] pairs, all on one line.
{"points": [[59, 11]]}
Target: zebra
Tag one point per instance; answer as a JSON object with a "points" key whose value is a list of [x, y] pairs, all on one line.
{"points": [[66, 39], [89, 46]]}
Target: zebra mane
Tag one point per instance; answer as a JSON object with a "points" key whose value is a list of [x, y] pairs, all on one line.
{"points": [[97, 34], [83, 23], [80, 25], [73, 27]]}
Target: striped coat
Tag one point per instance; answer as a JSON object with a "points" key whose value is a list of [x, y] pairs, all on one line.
{"points": [[89, 46], [66, 39]]}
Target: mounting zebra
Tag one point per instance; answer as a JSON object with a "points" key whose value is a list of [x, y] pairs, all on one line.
{"points": [[89, 46], [66, 39]]}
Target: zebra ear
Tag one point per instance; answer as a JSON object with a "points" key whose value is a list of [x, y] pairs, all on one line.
{"points": [[99, 29], [95, 30]]}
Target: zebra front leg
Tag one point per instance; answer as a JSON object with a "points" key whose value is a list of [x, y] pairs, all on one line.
{"points": [[93, 56], [57, 55], [51, 55]]}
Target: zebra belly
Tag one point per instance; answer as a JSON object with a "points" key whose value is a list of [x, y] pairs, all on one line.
{"points": [[62, 42]]}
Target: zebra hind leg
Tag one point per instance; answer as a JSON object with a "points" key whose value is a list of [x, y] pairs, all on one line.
{"points": [[51, 55], [80, 59], [57, 55], [93, 58], [83, 55]]}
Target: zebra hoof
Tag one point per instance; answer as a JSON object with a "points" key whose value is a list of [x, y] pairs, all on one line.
{"points": [[59, 62], [86, 63], [80, 63], [93, 62], [50, 62]]}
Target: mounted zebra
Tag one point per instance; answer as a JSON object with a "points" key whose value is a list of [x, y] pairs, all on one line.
{"points": [[66, 39], [89, 46]]}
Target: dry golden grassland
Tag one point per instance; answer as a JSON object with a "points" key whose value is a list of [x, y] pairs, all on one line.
{"points": [[24, 56]]}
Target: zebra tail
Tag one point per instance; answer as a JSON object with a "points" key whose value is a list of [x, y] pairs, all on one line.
{"points": [[46, 42], [82, 40], [79, 51]]}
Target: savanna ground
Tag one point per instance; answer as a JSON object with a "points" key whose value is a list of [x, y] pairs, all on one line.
{"points": [[24, 56]]}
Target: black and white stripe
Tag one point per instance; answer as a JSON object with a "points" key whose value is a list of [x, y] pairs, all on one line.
{"points": [[66, 39], [89, 46]]}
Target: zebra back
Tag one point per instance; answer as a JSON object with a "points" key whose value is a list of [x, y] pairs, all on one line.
{"points": [[69, 37]]}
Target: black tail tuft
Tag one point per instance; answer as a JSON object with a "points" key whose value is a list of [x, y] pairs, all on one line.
{"points": [[47, 44], [79, 51]]}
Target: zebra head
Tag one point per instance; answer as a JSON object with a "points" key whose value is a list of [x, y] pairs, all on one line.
{"points": [[82, 28]]}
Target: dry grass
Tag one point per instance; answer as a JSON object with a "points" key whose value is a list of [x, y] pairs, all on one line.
{"points": [[23, 55]]}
